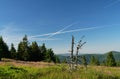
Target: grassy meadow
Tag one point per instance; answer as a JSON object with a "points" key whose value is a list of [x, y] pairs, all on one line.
{"points": [[11, 69]]}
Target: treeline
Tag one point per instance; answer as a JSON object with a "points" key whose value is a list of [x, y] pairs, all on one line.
{"points": [[94, 60], [27, 51], [109, 61]]}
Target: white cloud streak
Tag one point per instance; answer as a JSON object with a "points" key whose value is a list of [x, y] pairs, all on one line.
{"points": [[63, 32], [52, 34], [13, 34], [84, 29], [62, 29], [111, 4], [44, 39]]}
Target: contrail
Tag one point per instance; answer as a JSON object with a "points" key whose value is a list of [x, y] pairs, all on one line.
{"points": [[85, 29], [109, 5], [52, 34], [62, 29], [47, 34], [56, 33], [69, 31], [44, 39]]}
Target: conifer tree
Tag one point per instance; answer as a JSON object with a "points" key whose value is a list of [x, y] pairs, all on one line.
{"points": [[35, 52], [43, 51], [4, 52], [49, 55], [94, 61], [19, 51], [110, 60], [13, 51], [23, 50], [84, 61], [56, 59], [64, 61], [118, 63]]}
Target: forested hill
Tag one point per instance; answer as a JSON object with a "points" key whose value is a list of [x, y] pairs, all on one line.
{"points": [[101, 57]]}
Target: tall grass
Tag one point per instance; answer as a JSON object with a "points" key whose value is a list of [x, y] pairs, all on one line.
{"points": [[10, 71]]}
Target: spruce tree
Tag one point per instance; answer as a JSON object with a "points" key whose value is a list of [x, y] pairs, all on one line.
{"points": [[118, 63], [20, 51], [94, 61], [23, 49], [43, 51], [64, 60], [110, 60], [1, 47], [49, 55], [4, 51], [56, 59], [84, 61], [35, 52], [13, 51]]}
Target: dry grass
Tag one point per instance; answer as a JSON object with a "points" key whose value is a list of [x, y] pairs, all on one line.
{"points": [[19, 63], [12, 69], [108, 70]]}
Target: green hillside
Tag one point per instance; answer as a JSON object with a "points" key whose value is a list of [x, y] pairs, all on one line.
{"points": [[101, 57]]}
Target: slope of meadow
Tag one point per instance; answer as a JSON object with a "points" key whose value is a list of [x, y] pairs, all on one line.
{"points": [[11, 69]]}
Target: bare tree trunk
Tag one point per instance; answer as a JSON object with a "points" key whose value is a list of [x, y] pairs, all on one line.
{"points": [[72, 49]]}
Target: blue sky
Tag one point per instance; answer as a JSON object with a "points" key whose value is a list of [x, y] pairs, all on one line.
{"points": [[59, 19]]}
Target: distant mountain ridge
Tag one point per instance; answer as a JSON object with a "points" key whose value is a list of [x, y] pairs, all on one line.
{"points": [[101, 57]]}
